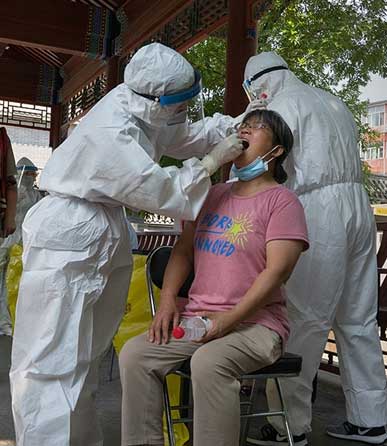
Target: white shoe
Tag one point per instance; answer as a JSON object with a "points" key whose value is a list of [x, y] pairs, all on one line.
{"points": [[348, 431], [270, 437]]}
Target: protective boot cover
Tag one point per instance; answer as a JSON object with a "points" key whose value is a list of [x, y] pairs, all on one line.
{"points": [[334, 283], [27, 197]]}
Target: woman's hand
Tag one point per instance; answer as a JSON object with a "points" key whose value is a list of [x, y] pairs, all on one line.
{"points": [[222, 323], [166, 313]]}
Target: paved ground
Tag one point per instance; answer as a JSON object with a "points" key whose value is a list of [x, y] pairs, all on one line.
{"points": [[328, 409]]}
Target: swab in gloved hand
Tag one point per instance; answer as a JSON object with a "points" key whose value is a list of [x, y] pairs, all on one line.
{"points": [[226, 150], [234, 131]]}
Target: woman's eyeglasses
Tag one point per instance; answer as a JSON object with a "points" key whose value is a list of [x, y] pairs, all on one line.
{"points": [[251, 126]]}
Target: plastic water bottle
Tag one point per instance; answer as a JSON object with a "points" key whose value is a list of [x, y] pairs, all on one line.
{"points": [[192, 328]]}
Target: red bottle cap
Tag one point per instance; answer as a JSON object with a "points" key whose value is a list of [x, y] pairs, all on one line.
{"points": [[178, 332]]}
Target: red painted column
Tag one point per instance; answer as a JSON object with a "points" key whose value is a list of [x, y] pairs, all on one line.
{"points": [[241, 45], [112, 73], [56, 121]]}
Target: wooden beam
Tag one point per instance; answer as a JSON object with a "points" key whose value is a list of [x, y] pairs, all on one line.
{"points": [[55, 126], [143, 19], [202, 35], [3, 47], [112, 73], [58, 25], [26, 81]]}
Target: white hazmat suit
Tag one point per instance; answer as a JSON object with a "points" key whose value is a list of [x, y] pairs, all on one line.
{"points": [[27, 196], [334, 284], [77, 261]]}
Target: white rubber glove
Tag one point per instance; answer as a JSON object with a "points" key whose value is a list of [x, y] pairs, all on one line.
{"points": [[226, 150], [256, 104]]}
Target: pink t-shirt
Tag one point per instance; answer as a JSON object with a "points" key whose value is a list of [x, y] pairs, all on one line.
{"points": [[230, 250]]}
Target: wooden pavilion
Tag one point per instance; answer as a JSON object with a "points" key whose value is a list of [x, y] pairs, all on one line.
{"points": [[59, 57]]}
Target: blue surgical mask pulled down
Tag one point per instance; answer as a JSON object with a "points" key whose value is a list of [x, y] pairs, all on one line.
{"points": [[255, 169]]}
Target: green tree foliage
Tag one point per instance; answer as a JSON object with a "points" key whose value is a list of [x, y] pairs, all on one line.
{"points": [[209, 57], [331, 44]]}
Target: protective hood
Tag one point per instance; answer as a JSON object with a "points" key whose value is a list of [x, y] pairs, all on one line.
{"points": [[266, 73], [325, 148], [26, 164], [262, 62], [156, 70]]}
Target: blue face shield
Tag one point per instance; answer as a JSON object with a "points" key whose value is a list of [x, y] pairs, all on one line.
{"points": [[182, 96], [179, 103], [24, 179], [255, 169]]}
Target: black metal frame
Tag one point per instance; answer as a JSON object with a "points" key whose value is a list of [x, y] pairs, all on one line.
{"points": [[155, 267]]}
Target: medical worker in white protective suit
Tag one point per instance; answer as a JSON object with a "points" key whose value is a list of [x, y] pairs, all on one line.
{"points": [[334, 284], [27, 196], [77, 262]]}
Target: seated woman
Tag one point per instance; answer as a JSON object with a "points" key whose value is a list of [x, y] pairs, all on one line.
{"points": [[243, 248]]}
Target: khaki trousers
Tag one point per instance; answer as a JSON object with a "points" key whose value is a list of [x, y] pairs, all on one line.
{"points": [[215, 367]]}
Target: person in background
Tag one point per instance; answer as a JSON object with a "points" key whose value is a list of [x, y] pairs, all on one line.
{"points": [[27, 196], [334, 285], [250, 234], [8, 199]]}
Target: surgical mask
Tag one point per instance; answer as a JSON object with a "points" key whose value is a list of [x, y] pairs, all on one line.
{"points": [[255, 169], [27, 181], [178, 118]]}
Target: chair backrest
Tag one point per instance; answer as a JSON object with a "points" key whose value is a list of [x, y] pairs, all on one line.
{"points": [[155, 268], [148, 241]]}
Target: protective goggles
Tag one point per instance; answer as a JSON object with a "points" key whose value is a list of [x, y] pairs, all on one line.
{"points": [[181, 96], [27, 168], [249, 90]]}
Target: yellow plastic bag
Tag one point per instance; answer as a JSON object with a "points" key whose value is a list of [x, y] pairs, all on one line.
{"points": [[13, 274], [136, 320], [137, 315]]}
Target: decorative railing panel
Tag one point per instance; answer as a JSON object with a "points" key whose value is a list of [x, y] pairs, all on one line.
{"points": [[201, 15], [25, 115], [84, 99]]}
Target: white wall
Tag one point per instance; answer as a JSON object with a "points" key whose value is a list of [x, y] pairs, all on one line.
{"points": [[375, 90]]}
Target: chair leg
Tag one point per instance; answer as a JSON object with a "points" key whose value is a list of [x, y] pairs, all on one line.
{"points": [[185, 394], [245, 422], [285, 412], [112, 364], [314, 392], [168, 415]]}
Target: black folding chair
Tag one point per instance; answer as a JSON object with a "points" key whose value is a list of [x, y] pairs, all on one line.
{"points": [[289, 365]]}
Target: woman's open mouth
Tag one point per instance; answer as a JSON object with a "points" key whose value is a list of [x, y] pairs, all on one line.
{"points": [[245, 144]]}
